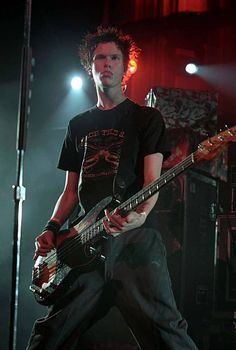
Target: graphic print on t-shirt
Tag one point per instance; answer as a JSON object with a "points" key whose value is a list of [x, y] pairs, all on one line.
{"points": [[102, 150]]}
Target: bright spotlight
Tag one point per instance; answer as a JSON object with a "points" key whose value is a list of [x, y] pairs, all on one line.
{"points": [[132, 66], [191, 68], [76, 83]]}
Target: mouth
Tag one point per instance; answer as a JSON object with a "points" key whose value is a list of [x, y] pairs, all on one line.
{"points": [[107, 74]]}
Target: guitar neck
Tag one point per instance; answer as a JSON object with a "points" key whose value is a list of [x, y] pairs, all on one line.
{"points": [[151, 189], [132, 203]]}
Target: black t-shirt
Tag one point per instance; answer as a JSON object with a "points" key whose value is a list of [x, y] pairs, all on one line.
{"points": [[96, 139]]}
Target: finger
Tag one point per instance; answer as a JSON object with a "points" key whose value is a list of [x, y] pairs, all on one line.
{"points": [[115, 217], [43, 244], [117, 211], [116, 221], [39, 253], [42, 249], [107, 214], [35, 256], [106, 226], [109, 230]]}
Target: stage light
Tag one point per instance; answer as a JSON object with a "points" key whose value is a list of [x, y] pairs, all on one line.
{"points": [[132, 66], [76, 83], [191, 68]]}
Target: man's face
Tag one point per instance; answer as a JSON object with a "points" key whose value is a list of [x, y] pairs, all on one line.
{"points": [[107, 65]]}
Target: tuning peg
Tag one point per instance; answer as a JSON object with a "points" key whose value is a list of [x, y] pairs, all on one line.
{"points": [[210, 142], [221, 138], [201, 147], [228, 130]]}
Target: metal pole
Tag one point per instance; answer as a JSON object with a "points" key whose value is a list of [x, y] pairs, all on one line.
{"points": [[19, 189]]}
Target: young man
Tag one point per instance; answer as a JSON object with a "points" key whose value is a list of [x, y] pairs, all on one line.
{"points": [[115, 148]]}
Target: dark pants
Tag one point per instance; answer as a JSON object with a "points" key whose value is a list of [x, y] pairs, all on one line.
{"points": [[134, 278]]}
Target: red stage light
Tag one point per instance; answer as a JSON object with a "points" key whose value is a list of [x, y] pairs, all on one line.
{"points": [[132, 66]]}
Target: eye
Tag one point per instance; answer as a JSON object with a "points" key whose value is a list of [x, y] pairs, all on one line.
{"points": [[115, 57], [99, 57]]}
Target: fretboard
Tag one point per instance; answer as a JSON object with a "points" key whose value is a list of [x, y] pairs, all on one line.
{"points": [[145, 193]]}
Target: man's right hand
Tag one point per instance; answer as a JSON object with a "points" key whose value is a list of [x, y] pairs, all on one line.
{"points": [[44, 243]]}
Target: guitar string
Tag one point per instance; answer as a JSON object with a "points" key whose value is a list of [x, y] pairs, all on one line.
{"points": [[87, 232], [91, 233], [74, 242], [170, 171], [63, 252]]}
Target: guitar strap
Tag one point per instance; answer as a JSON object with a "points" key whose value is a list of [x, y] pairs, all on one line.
{"points": [[126, 170]]}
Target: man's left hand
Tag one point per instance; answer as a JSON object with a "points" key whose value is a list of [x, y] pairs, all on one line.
{"points": [[115, 224]]}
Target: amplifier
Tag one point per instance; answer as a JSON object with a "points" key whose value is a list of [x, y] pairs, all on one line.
{"points": [[226, 262]]}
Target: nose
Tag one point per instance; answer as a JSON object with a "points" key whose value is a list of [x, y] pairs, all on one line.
{"points": [[107, 62]]}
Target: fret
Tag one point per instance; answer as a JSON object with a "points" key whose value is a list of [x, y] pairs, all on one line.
{"points": [[154, 188], [84, 239], [101, 226], [142, 195], [92, 233]]}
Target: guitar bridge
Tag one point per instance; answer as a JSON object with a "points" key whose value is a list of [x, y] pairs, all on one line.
{"points": [[39, 291], [35, 289]]}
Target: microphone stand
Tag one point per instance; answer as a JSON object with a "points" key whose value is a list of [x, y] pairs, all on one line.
{"points": [[18, 188]]}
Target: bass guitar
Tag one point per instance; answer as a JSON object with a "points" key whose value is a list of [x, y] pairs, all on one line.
{"points": [[77, 249]]}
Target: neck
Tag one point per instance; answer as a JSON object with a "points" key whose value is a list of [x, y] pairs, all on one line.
{"points": [[109, 98]]}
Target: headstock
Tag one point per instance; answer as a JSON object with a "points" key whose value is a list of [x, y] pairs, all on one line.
{"points": [[209, 148]]}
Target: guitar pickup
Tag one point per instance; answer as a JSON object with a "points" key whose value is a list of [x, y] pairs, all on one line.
{"points": [[94, 251]]}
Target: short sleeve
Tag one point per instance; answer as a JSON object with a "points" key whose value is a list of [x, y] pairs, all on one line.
{"points": [[69, 157], [154, 135]]}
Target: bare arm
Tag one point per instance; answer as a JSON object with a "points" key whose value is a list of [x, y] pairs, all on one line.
{"points": [[63, 208], [67, 200], [116, 223], [152, 171]]}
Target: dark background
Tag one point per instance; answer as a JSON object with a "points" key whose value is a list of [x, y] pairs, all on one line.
{"points": [[57, 26]]}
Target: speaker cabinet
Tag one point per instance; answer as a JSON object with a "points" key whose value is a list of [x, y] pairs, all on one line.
{"points": [[186, 218], [189, 231], [226, 262]]}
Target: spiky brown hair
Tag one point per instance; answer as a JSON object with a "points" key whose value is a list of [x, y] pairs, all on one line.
{"points": [[123, 41]]}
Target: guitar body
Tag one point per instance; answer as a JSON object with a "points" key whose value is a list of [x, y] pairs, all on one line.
{"points": [[75, 252], [53, 274]]}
